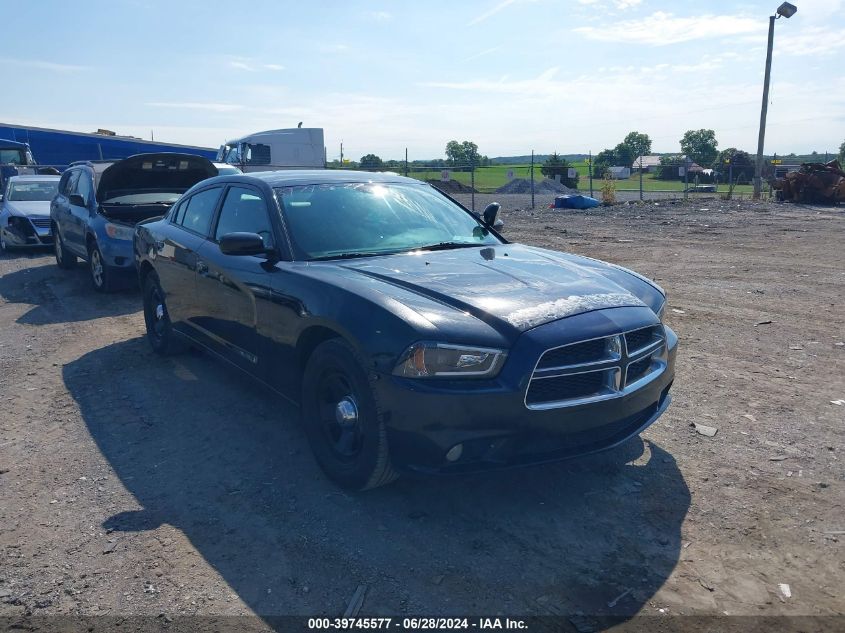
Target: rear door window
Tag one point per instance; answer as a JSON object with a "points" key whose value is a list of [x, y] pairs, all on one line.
{"points": [[198, 211]]}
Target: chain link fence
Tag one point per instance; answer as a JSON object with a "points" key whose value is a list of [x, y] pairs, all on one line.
{"points": [[525, 186]]}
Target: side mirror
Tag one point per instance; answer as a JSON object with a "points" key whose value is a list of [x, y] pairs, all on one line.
{"points": [[491, 211], [242, 244], [76, 200]]}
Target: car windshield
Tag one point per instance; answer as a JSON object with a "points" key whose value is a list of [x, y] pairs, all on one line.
{"points": [[11, 157], [359, 219], [39, 191]]}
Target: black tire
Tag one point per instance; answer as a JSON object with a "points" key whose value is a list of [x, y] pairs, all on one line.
{"points": [[101, 277], [64, 258], [160, 334], [4, 246], [353, 453]]}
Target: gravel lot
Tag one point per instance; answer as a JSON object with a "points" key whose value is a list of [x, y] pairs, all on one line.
{"points": [[134, 485]]}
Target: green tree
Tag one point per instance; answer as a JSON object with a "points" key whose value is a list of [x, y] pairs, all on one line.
{"points": [[555, 165], [604, 159], [624, 155], [638, 143], [700, 146], [462, 154], [371, 161], [454, 153], [668, 168], [734, 164], [842, 152], [471, 155]]}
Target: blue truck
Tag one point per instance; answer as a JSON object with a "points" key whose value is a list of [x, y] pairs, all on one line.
{"points": [[21, 145], [59, 148]]}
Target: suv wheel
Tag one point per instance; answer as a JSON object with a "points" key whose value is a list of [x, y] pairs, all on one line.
{"points": [[343, 420], [101, 277], [64, 258], [160, 332]]}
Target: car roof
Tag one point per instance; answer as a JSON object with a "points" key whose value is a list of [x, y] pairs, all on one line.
{"points": [[294, 177], [31, 178]]}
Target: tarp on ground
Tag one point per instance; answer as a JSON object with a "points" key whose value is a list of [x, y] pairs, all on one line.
{"points": [[575, 201]]}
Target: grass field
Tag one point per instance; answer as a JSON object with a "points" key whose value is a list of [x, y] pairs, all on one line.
{"points": [[488, 179]]}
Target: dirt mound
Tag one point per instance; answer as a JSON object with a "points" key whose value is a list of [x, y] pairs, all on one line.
{"points": [[450, 186], [523, 185]]}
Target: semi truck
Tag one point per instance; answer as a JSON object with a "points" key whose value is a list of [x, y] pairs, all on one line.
{"points": [[292, 148]]}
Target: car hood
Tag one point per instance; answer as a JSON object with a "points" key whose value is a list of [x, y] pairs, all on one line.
{"points": [[163, 171], [38, 208], [512, 286]]}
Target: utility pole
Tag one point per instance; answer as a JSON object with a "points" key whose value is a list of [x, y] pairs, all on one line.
{"points": [[406, 162], [532, 178], [641, 177], [590, 167], [758, 168], [785, 10], [341, 154]]}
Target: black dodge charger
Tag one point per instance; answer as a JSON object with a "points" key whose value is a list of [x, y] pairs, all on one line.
{"points": [[410, 332]]}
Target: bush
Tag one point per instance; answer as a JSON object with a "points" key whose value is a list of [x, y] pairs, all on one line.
{"points": [[555, 165]]}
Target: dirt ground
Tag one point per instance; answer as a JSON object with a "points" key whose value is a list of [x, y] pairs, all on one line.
{"points": [[134, 485]]}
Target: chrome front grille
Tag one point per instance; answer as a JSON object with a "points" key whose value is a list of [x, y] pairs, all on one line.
{"points": [[40, 223], [597, 369]]}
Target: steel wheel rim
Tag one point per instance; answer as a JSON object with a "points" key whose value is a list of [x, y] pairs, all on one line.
{"points": [[339, 413], [96, 267]]}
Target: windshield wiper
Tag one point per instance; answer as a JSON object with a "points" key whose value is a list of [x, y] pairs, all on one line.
{"points": [[442, 246], [350, 256]]}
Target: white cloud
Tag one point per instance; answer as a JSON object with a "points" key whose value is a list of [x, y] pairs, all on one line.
{"points": [[488, 51], [811, 40], [662, 28], [196, 105], [250, 65], [44, 65], [381, 16], [503, 4]]}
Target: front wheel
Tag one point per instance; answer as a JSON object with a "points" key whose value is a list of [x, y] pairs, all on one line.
{"points": [[160, 332], [342, 418], [101, 276], [64, 258]]}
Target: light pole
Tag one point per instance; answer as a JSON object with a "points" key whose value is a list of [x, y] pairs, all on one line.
{"points": [[785, 10]]}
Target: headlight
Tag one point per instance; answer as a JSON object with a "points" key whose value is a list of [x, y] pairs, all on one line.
{"points": [[439, 360], [117, 232]]}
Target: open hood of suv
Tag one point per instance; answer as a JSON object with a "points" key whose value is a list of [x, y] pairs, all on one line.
{"points": [[162, 171]]}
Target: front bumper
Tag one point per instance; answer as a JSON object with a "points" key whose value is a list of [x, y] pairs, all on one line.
{"points": [[493, 425], [117, 254], [26, 231]]}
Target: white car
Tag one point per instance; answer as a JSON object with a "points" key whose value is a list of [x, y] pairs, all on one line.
{"points": [[25, 211]]}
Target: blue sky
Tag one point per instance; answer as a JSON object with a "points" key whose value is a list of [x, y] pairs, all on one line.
{"points": [[513, 75]]}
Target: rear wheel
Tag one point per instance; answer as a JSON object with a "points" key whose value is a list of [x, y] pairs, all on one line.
{"points": [[64, 258], [160, 332], [343, 420], [4, 245], [101, 276]]}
